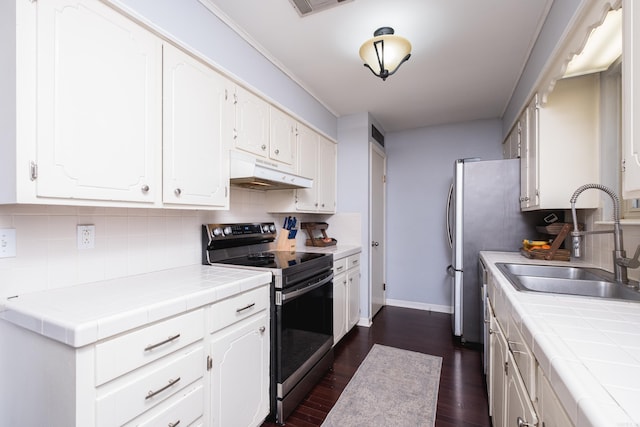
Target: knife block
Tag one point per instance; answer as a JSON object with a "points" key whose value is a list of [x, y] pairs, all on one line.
{"points": [[284, 243]]}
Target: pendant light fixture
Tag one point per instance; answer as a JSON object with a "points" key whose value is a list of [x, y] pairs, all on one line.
{"points": [[385, 52]]}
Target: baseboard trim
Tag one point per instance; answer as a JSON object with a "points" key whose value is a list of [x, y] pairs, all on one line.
{"points": [[365, 321], [419, 306]]}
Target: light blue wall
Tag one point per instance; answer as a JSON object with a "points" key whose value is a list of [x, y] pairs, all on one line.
{"points": [[194, 25], [419, 172]]}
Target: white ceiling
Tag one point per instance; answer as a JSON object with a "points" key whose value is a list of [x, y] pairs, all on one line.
{"points": [[466, 59]]}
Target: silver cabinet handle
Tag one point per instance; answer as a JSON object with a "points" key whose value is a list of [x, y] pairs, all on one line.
{"points": [[262, 329], [374, 244], [168, 340], [277, 151], [145, 188], [246, 307], [355, 261], [339, 268], [264, 147], [173, 424], [177, 191], [160, 390]]}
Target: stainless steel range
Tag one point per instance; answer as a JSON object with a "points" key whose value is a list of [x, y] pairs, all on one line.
{"points": [[301, 305]]}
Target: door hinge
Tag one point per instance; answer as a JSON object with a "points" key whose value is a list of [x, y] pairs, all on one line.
{"points": [[209, 363], [33, 171]]}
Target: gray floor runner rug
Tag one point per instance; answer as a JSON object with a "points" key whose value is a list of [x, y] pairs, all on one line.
{"points": [[392, 387]]}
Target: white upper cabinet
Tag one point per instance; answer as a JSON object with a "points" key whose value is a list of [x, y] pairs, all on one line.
{"points": [[98, 104], [251, 127], [316, 159], [197, 110], [631, 99], [102, 119], [282, 137], [559, 146], [264, 130]]}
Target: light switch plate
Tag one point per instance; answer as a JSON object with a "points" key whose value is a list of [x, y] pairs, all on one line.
{"points": [[7, 242]]}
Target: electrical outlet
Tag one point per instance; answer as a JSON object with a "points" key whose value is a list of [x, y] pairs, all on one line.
{"points": [[7, 242], [86, 236]]}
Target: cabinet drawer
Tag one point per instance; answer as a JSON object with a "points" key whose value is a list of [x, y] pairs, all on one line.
{"points": [[140, 392], [127, 352], [523, 357], [353, 261], [229, 311], [339, 266], [183, 411]]}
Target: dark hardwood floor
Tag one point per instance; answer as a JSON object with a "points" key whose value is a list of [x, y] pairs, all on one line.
{"points": [[462, 397]]}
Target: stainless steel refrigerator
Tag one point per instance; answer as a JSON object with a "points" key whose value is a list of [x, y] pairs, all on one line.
{"points": [[483, 213]]}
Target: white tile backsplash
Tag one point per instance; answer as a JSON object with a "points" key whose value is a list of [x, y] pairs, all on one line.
{"points": [[128, 241], [598, 248]]}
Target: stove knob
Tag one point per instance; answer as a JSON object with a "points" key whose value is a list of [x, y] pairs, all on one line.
{"points": [[228, 231], [272, 228], [217, 231]]}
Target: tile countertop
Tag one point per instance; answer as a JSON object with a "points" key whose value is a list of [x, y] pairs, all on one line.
{"points": [[83, 314], [589, 348]]}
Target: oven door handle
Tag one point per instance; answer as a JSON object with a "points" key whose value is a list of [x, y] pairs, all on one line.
{"points": [[309, 288]]}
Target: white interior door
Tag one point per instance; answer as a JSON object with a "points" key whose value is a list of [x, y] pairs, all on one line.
{"points": [[377, 221]]}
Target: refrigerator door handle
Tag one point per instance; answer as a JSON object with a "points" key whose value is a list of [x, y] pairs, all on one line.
{"points": [[450, 271], [449, 199]]}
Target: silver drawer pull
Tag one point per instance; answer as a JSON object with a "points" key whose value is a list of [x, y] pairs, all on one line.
{"points": [[168, 340], [339, 268], [173, 424], [246, 307], [153, 393]]}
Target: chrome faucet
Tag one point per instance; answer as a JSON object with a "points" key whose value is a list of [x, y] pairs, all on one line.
{"points": [[620, 260]]}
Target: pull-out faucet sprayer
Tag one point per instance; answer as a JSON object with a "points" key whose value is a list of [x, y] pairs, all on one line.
{"points": [[620, 260]]}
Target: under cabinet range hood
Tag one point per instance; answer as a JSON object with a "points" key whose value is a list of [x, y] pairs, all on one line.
{"points": [[248, 171]]}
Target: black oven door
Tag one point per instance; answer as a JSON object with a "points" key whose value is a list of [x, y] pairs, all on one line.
{"points": [[303, 329]]}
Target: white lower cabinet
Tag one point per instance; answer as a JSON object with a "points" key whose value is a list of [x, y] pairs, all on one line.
{"points": [[519, 393], [519, 407], [346, 295], [209, 367], [240, 374], [497, 381], [339, 299]]}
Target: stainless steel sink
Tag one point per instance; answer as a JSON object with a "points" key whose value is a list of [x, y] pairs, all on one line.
{"points": [[582, 281]]}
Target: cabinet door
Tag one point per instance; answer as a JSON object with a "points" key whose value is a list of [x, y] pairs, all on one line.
{"points": [[195, 150], [251, 123], [327, 152], [631, 100], [529, 159], [353, 293], [307, 198], [240, 374], [339, 306], [519, 408], [498, 384], [98, 104], [282, 140], [552, 414]]}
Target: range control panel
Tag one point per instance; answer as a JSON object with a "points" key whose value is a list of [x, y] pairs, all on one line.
{"points": [[231, 231]]}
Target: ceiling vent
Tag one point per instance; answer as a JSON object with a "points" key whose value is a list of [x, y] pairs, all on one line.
{"points": [[307, 7]]}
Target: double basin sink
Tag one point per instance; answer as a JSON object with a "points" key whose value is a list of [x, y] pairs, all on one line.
{"points": [[582, 281]]}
